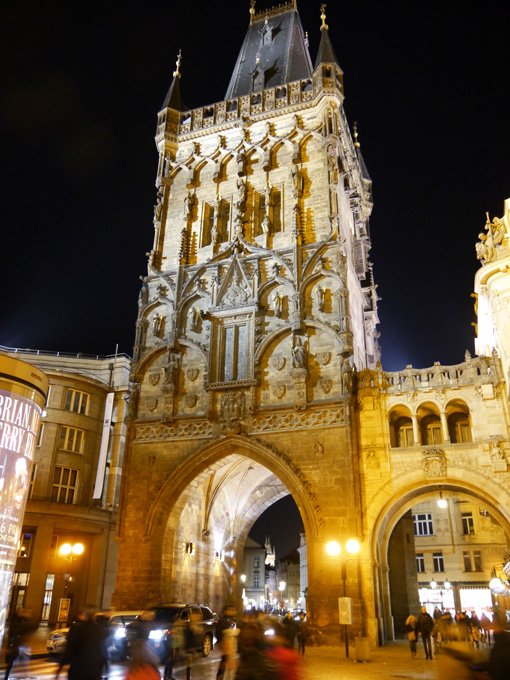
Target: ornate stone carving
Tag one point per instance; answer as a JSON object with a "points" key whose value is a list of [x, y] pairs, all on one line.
{"points": [[237, 293], [194, 430], [279, 391], [323, 358], [299, 352], [293, 420], [154, 378], [318, 449], [325, 385], [190, 400], [232, 405], [434, 463], [192, 374], [278, 362], [373, 462], [151, 403]]}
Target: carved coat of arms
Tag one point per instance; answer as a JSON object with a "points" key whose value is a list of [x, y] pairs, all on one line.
{"points": [[325, 385], [190, 400], [278, 362], [279, 391], [192, 374], [323, 358], [154, 378]]}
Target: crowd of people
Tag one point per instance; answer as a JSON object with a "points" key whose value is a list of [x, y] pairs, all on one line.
{"points": [[458, 637]]}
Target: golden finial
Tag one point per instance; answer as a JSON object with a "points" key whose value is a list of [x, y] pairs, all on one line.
{"points": [[252, 10], [355, 128], [177, 66], [257, 59], [323, 17]]}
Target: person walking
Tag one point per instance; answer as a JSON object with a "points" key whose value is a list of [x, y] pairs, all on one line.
{"points": [[290, 628], [411, 634], [85, 650], [303, 632], [143, 664], [18, 628], [226, 622], [424, 627]]}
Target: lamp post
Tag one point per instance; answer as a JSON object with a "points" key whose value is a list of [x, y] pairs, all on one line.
{"points": [[69, 553], [281, 588], [334, 549]]}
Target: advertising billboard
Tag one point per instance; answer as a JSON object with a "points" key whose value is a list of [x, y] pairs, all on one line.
{"points": [[23, 390]]}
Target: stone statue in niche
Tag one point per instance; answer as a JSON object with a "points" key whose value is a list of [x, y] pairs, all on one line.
{"points": [[157, 324], [241, 162], [320, 297], [278, 304], [346, 376], [486, 249], [170, 370], [195, 317], [297, 182], [189, 202], [132, 397], [299, 352]]}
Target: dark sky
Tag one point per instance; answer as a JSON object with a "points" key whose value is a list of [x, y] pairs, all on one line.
{"points": [[81, 87]]}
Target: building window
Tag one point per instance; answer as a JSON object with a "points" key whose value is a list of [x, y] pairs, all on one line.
{"points": [[32, 481], [76, 401], [460, 428], [404, 436], [256, 562], [472, 560], [438, 562], [431, 431], [234, 363], [420, 563], [40, 435], [25, 545], [18, 590], [423, 525], [48, 595], [256, 581], [468, 526], [65, 481], [71, 439]]}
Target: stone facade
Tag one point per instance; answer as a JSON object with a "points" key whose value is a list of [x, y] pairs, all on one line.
{"points": [[256, 367]]}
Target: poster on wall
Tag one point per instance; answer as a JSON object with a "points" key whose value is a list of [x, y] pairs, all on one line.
{"points": [[19, 423]]}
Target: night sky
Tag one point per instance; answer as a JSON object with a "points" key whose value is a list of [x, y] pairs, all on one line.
{"points": [[81, 87]]}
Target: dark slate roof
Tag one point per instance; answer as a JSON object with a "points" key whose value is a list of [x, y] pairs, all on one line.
{"points": [[278, 42], [363, 167], [173, 97], [326, 53]]}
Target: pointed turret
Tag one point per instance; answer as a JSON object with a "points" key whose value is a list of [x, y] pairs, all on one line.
{"points": [[326, 57], [173, 97], [326, 53], [274, 52]]}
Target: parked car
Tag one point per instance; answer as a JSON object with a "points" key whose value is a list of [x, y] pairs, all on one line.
{"points": [[112, 621], [156, 624], [57, 641]]}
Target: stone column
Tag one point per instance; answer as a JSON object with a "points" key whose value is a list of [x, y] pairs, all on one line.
{"points": [[416, 430], [444, 427]]}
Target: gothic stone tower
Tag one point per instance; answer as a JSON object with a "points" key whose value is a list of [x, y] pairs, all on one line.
{"points": [[258, 305]]}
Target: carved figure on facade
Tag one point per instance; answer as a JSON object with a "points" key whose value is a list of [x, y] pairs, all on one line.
{"points": [[143, 297], [373, 462], [157, 324], [486, 249], [320, 297], [277, 304], [237, 293], [297, 182], [347, 376], [132, 397], [158, 209], [189, 203], [497, 452], [232, 406], [299, 351], [171, 370], [318, 449], [195, 318], [241, 162]]}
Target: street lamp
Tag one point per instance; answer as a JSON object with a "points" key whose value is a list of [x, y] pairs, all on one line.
{"points": [[281, 588], [69, 553], [334, 549]]}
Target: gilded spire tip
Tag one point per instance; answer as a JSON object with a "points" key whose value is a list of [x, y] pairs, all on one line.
{"points": [[252, 10], [323, 17], [355, 130], [177, 73]]}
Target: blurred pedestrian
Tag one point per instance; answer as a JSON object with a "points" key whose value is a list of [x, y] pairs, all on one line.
{"points": [[290, 628], [424, 627], [303, 632], [143, 664], [499, 662], [18, 627], [85, 650], [411, 634], [284, 656], [227, 621], [254, 664]]}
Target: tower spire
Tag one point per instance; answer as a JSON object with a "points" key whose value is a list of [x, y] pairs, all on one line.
{"points": [[323, 17], [173, 97]]}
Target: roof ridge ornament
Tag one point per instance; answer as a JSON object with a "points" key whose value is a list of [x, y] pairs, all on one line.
{"points": [[323, 17], [355, 132], [252, 10], [176, 73]]}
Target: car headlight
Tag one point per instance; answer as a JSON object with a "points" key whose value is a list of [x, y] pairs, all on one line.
{"points": [[119, 633], [269, 631], [156, 635]]}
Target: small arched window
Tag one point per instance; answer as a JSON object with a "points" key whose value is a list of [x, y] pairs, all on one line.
{"points": [[404, 432], [459, 428], [431, 432]]}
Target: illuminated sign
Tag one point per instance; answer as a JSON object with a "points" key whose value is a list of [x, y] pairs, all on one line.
{"points": [[22, 395]]}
